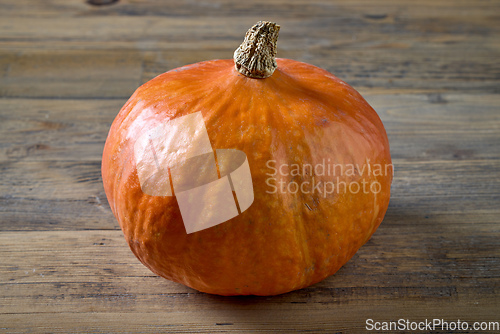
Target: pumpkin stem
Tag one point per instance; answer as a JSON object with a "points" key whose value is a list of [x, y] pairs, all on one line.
{"points": [[255, 57]]}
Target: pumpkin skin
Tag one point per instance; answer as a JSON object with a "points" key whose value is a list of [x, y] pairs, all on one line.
{"points": [[284, 241]]}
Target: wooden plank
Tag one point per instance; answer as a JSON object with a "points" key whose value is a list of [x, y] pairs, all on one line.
{"points": [[421, 127], [51, 153], [52, 195], [428, 114], [69, 74], [92, 274], [349, 27], [46, 129], [371, 65], [424, 16], [347, 319], [225, 8], [60, 143], [100, 265], [373, 46]]}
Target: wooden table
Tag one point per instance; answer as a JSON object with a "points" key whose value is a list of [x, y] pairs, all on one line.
{"points": [[430, 69]]}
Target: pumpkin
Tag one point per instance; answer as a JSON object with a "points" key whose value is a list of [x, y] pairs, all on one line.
{"points": [[315, 172]]}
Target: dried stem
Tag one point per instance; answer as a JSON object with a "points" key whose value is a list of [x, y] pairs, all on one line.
{"points": [[255, 57]]}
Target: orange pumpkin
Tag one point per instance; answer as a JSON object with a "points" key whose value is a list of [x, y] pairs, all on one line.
{"points": [[317, 153]]}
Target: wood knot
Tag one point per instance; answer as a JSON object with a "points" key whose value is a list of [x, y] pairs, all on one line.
{"points": [[101, 2]]}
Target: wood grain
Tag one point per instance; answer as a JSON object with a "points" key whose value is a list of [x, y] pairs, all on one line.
{"points": [[429, 68], [93, 273]]}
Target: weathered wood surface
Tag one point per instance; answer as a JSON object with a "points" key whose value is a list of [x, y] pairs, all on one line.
{"points": [[431, 70]]}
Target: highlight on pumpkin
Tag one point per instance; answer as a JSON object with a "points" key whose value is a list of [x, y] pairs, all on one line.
{"points": [[177, 159]]}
